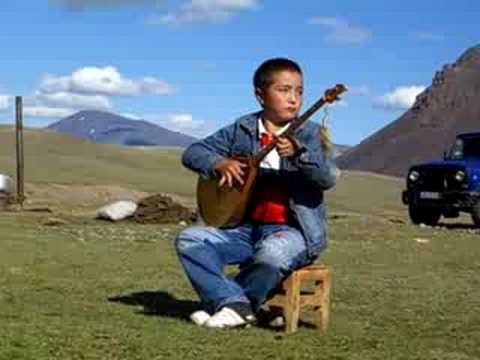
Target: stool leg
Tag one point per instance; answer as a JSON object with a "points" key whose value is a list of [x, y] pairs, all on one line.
{"points": [[322, 312], [292, 308]]}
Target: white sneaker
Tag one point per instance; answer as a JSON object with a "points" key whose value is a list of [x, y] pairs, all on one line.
{"points": [[228, 318], [200, 317], [277, 322]]}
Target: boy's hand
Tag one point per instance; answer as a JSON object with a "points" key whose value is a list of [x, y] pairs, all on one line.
{"points": [[230, 170], [286, 146], [325, 143]]}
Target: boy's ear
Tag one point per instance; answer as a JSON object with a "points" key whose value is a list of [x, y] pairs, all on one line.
{"points": [[259, 95]]}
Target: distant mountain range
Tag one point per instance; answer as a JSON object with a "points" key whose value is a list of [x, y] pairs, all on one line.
{"points": [[107, 128], [449, 106]]}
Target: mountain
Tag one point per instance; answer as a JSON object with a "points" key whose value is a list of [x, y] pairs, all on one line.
{"points": [[449, 106], [107, 128], [340, 149]]}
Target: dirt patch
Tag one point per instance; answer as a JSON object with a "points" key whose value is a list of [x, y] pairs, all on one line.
{"points": [[162, 209], [86, 196]]}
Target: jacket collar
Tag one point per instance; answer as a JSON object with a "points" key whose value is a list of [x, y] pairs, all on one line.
{"points": [[250, 122]]}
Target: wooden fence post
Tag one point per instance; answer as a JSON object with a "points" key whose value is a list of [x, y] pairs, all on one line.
{"points": [[20, 163]]}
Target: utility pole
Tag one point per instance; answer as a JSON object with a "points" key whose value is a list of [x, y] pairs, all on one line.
{"points": [[20, 163]]}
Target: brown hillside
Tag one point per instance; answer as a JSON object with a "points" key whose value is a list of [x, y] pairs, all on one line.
{"points": [[449, 106]]}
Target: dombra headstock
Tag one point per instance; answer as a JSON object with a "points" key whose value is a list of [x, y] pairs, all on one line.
{"points": [[333, 94]]}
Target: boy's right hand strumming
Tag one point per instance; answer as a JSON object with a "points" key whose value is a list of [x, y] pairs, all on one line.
{"points": [[230, 170]]}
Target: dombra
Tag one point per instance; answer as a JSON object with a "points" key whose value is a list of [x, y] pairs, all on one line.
{"points": [[224, 206]]}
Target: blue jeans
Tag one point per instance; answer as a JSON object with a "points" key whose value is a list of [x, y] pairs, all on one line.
{"points": [[265, 253]]}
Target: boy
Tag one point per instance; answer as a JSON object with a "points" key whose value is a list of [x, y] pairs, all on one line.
{"points": [[284, 227]]}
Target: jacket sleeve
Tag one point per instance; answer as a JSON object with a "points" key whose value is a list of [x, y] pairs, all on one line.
{"points": [[312, 163], [202, 155]]}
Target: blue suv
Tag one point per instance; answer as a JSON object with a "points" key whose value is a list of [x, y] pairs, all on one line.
{"points": [[446, 187]]}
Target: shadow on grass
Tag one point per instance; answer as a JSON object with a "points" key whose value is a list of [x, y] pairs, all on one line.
{"points": [[161, 303], [158, 303], [458, 226]]}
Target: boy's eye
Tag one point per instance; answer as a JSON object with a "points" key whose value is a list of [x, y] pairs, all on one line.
{"points": [[287, 90]]}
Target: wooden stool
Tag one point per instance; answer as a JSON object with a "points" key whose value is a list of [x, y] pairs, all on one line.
{"points": [[290, 296]]}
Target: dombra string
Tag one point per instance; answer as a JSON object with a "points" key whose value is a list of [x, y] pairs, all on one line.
{"points": [[325, 117]]}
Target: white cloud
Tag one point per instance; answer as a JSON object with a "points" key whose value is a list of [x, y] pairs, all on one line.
{"points": [[341, 32], [51, 83], [73, 101], [204, 11], [62, 104], [429, 36], [401, 98], [181, 122], [47, 112], [87, 88], [361, 90], [104, 80], [131, 116], [79, 5], [155, 86], [5, 101]]}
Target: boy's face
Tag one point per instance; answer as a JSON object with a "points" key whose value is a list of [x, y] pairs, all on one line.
{"points": [[282, 99]]}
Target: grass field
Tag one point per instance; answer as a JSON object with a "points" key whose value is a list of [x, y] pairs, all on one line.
{"points": [[54, 158], [86, 289]]}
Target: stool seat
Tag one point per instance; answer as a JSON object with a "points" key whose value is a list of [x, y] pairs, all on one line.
{"points": [[290, 296]]}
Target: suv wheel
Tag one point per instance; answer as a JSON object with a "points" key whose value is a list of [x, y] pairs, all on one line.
{"points": [[476, 214], [427, 216]]}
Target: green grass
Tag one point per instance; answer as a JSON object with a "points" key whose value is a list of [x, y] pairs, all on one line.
{"points": [[96, 290], [55, 158], [393, 297]]}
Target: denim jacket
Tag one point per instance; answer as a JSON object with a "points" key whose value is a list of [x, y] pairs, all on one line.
{"points": [[308, 174]]}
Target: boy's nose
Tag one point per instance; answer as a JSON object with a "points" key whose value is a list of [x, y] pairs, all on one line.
{"points": [[293, 98]]}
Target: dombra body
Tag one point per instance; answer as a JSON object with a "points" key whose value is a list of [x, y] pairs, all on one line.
{"points": [[224, 206]]}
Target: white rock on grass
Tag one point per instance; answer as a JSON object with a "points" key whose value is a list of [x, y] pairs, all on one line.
{"points": [[117, 210]]}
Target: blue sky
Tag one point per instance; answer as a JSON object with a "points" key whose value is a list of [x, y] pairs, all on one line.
{"points": [[187, 65]]}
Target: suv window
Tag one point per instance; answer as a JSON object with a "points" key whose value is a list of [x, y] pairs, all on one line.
{"points": [[464, 149]]}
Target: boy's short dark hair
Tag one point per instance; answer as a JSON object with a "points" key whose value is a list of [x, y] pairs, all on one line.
{"points": [[264, 73]]}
